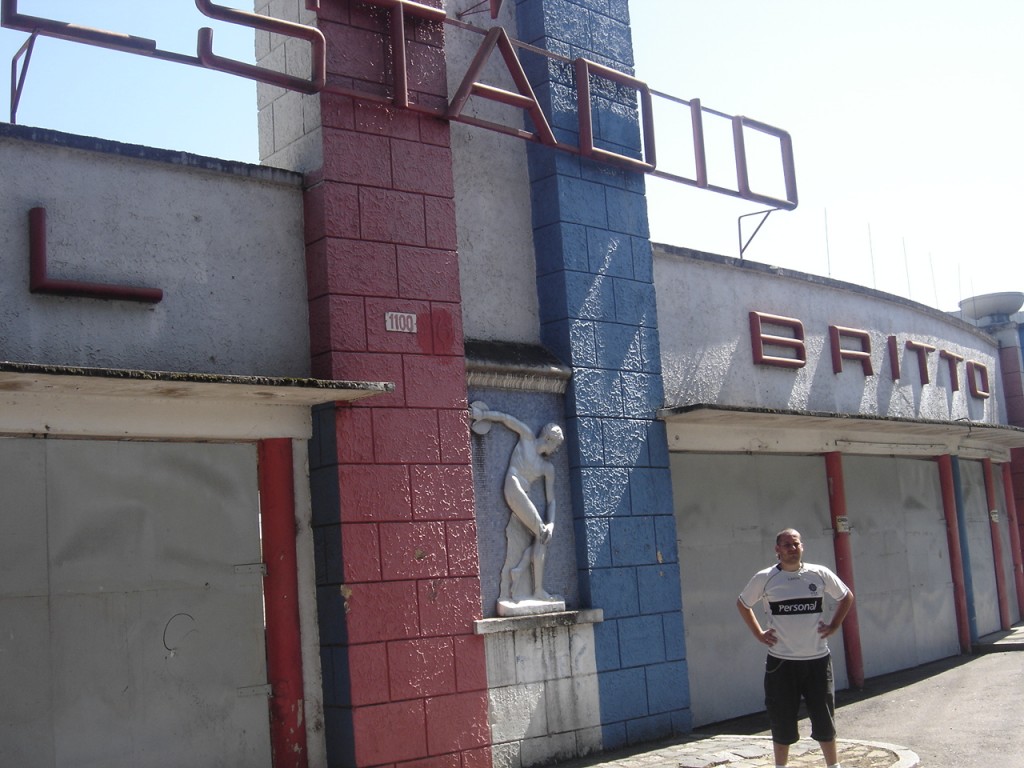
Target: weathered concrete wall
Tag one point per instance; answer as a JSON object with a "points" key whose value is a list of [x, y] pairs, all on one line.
{"points": [[222, 240], [703, 308], [544, 697], [289, 122], [492, 198]]}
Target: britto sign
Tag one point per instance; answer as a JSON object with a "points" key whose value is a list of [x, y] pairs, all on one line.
{"points": [[589, 77], [789, 345]]}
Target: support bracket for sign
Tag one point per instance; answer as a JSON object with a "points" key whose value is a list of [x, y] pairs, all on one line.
{"points": [[18, 81], [739, 227], [494, 6]]}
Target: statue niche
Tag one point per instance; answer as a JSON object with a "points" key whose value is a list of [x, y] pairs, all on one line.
{"points": [[529, 529]]}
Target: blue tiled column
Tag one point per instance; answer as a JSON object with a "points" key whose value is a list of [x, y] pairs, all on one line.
{"points": [[596, 288]]}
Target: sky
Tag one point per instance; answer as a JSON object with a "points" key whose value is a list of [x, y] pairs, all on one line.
{"points": [[905, 117]]}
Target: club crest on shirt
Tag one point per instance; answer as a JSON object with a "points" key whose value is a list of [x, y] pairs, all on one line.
{"points": [[812, 587]]}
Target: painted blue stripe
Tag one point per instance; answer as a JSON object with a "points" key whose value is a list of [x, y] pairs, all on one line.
{"points": [[599, 316], [965, 550]]}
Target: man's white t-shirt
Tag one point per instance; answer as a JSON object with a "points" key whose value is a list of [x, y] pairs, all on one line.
{"points": [[795, 603]]}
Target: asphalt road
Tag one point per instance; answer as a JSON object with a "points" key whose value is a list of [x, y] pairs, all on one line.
{"points": [[962, 712]]}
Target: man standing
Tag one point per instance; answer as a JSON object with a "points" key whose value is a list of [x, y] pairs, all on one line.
{"points": [[799, 664]]}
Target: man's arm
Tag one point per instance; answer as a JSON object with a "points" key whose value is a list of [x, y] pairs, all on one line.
{"points": [[767, 637], [550, 505], [511, 422], [843, 608]]}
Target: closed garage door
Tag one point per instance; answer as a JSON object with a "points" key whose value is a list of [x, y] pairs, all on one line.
{"points": [[904, 583], [728, 509], [131, 616]]}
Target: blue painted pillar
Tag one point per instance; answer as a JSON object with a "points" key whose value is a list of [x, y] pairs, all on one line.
{"points": [[596, 287], [965, 550]]}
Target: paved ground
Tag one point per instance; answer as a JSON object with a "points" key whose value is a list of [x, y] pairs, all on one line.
{"points": [[961, 712], [756, 752]]}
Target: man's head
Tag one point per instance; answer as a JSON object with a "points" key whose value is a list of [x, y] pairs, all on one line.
{"points": [[789, 548], [550, 439]]}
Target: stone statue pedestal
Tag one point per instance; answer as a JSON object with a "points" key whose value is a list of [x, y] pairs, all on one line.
{"points": [[530, 607]]}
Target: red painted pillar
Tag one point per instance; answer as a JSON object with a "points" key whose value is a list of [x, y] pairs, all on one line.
{"points": [[1017, 491], [1013, 523], [280, 598], [1011, 367], [997, 544], [844, 565], [405, 677], [956, 562]]}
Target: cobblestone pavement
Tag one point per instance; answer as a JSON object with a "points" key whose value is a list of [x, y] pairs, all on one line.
{"points": [[756, 752]]}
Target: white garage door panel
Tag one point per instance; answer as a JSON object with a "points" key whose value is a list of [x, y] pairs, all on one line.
{"points": [[26, 736], [979, 546], [728, 509], [23, 509], [903, 583], [166, 514], [149, 646]]}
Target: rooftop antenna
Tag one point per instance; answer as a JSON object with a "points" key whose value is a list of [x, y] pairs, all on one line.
{"points": [[906, 268], [871, 250], [828, 253], [960, 285], [935, 290]]}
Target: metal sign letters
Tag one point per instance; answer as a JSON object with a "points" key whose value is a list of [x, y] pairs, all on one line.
{"points": [[403, 14]]}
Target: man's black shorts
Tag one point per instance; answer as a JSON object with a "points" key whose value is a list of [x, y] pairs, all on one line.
{"points": [[786, 683]]}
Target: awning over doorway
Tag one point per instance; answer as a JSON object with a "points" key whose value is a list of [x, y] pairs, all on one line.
{"points": [[714, 428], [57, 399]]}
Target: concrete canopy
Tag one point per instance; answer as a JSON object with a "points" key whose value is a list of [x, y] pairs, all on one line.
{"points": [[135, 404], [712, 428]]}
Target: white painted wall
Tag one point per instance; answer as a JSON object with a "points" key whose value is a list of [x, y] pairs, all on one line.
{"points": [[223, 240], [492, 202], [703, 308]]}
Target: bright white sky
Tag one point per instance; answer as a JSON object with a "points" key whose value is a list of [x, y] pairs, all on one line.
{"points": [[905, 117]]}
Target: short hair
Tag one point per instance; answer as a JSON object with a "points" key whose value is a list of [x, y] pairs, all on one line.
{"points": [[552, 432], [784, 531]]}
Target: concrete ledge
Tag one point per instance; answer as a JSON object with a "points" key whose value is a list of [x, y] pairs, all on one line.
{"points": [[538, 621], [75, 141]]}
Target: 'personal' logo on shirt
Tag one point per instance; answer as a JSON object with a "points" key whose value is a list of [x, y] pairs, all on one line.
{"points": [[796, 606]]}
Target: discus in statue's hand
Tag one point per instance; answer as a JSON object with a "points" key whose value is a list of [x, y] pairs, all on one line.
{"points": [[479, 426]]}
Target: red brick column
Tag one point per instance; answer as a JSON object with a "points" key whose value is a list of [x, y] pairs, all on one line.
{"points": [[404, 677]]}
